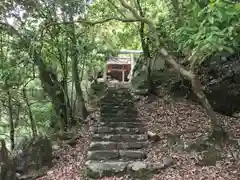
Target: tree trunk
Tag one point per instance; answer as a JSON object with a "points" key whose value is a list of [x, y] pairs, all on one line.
{"points": [[146, 51], [218, 132], [32, 120], [55, 91], [217, 128], [79, 95], [75, 74], [11, 123]]}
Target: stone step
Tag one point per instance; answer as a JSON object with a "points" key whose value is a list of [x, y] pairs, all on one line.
{"points": [[110, 103], [118, 110], [132, 154], [110, 96], [126, 116], [116, 106], [119, 113], [122, 124], [97, 169], [109, 145], [117, 103], [103, 155], [118, 119], [119, 130], [115, 155], [120, 138]]}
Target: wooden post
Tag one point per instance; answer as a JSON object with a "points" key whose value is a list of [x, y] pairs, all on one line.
{"points": [[132, 66], [105, 69]]}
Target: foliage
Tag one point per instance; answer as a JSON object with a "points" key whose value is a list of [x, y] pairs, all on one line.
{"points": [[206, 31]]}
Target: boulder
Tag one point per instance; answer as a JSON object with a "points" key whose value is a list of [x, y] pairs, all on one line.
{"points": [[220, 77], [139, 81], [8, 170], [222, 82], [32, 155]]}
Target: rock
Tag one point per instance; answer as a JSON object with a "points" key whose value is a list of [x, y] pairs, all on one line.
{"points": [[220, 77], [153, 136], [119, 138], [164, 163], [103, 145], [136, 166], [102, 155], [122, 124], [8, 170], [132, 154], [99, 169], [210, 157], [33, 154], [167, 161], [120, 130], [131, 145]]}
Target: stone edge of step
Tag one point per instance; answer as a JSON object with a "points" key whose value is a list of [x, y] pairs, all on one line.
{"points": [[116, 154], [120, 137], [110, 145], [96, 169]]}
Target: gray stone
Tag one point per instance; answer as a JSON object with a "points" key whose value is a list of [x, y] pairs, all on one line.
{"points": [[118, 119], [131, 154], [122, 124], [33, 154], [120, 130], [109, 168], [167, 161], [136, 166], [102, 155], [134, 138], [104, 129], [110, 137], [102, 145], [162, 164], [131, 145], [119, 138], [142, 165]]}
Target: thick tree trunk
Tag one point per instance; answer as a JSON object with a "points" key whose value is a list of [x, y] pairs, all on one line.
{"points": [[146, 51], [11, 123], [56, 93], [79, 95], [75, 74], [217, 128]]}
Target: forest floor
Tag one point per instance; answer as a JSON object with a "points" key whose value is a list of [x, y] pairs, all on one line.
{"points": [[165, 117]]}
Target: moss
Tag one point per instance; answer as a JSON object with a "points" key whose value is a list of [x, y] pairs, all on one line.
{"points": [[210, 157], [142, 174], [200, 145]]}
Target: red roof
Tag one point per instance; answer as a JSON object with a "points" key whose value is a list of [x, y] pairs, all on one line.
{"points": [[118, 60]]}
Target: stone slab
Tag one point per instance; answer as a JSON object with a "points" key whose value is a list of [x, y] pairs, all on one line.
{"points": [[120, 138], [109, 168], [103, 155]]}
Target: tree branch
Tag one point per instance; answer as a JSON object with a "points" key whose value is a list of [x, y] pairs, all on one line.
{"points": [[142, 19], [83, 21]]}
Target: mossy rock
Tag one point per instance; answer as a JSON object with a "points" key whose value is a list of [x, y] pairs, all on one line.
{"points": [[142, 174], [201, 144], [210, 157]]}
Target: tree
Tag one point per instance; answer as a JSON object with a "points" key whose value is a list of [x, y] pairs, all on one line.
{"points": [[217, 128]]}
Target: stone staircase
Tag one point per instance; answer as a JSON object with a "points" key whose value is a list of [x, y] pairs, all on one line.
{"points": [[119, 139]]}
